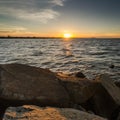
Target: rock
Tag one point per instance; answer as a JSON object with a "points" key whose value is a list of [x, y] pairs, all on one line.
{"points": [[36, 113], [111, 88], [105, 101], [79, 89], [111, 66], [116, 114], [117, 83], [21, 84], [80, 75], [118, 118], [79, 107]]}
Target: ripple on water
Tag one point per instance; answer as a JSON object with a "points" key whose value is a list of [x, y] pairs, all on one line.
{"points": [[87, 55], [37, 53]]}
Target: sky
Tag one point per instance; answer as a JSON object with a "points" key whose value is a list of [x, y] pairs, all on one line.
{"points": [[53, 18]]}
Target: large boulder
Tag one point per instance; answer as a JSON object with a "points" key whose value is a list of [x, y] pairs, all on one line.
{"points": [[118, 118], [111, 87], [36, 113], [105, 101], [117, 83], [22, 84], [79, 88]]}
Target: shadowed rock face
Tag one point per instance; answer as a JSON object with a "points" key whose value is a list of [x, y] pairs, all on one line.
{"points": [[102, 103], [37, 113], [25, 84], [80, 89], [107, 97]]}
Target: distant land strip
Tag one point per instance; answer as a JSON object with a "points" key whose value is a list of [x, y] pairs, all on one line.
{"points": [[12, 37]]}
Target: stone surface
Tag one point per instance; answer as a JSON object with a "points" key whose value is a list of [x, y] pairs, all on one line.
{"points": [[104, 100], [79, 89], [80, 75], [30, 85], [118, 118], [111, 66], [117, 83], [37, 113], [111, 88]]}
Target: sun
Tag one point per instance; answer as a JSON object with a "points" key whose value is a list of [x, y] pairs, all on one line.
{"points": [[67, 35]]}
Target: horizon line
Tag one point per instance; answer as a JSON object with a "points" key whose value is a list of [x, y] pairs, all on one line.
{"points": [[43, 37]]}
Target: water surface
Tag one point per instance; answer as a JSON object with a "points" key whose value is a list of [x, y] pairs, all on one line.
{"points": [[91, 56]]}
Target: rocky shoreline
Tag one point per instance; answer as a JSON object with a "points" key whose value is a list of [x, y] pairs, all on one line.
{"points": [[32, 93]]}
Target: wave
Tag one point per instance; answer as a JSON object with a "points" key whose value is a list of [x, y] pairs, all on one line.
{"points": [[90, 56], [97, 53], [37, 53]]}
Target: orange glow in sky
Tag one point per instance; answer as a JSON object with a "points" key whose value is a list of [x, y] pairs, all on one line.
{"points": [[58, 34], [74, 18], [67, 35]]}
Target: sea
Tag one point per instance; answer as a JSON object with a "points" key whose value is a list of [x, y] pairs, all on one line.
{"points": [[90, 56]]}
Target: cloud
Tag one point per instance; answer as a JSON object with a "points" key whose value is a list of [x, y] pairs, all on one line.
{"points": [[8, 28], [58, 2], [42, 15], [37, 10]]}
